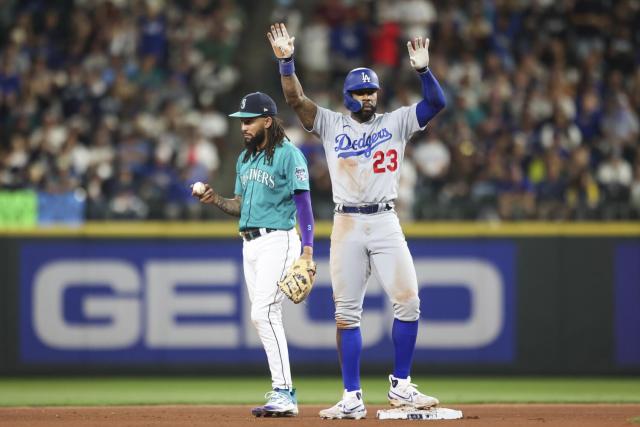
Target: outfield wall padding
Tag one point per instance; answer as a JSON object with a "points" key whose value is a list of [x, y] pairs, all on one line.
{"points": [[520, 304]]}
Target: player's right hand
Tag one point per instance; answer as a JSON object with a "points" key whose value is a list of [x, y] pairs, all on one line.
{"points": [[281, 43], [208, 195]]}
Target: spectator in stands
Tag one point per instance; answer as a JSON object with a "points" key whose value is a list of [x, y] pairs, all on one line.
{"points": [[314, 39], [432, 160], [615, 175], [552, 189], [349, 42]]}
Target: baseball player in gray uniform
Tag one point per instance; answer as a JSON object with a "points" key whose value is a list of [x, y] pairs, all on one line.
{"points": [[364, 153]]}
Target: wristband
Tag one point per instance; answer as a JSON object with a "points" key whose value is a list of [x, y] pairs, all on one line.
{"points": [[423, 70], [286, 66]]}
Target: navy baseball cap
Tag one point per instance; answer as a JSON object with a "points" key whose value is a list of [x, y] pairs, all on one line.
{"points": [[256, 104]]}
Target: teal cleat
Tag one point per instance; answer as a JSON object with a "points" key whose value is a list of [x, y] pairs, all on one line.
{"points": [[280, 403]]}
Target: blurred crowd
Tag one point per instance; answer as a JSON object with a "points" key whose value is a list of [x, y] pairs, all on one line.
{"points": [[117, 99], [123, 100]]}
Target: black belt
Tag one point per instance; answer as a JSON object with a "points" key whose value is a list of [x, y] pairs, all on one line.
{"points": [[364, 209], [253, 233]]}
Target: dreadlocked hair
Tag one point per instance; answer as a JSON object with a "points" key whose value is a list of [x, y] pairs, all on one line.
{"points": [[275, 137]]}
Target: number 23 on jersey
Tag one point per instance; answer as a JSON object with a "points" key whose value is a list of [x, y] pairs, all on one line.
{"points": [[385, 161]]}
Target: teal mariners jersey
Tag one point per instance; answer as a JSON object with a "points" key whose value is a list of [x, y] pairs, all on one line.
{"points": [[267, 189]]}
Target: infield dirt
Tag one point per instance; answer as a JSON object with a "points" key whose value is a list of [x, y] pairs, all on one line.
{"points": [[583, 415]]}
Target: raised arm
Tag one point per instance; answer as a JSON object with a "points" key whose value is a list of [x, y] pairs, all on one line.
{"points": [[305, 108], [433, 99], [230, 206], [282, 45]]}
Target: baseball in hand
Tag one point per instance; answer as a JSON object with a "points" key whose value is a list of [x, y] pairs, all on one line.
{"points": [[198, 188]]}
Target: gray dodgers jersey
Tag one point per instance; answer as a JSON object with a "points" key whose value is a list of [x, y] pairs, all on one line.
{"points": [[364, 159]]}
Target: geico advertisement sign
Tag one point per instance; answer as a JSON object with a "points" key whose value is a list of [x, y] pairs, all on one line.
{"points": [[152, 305]]}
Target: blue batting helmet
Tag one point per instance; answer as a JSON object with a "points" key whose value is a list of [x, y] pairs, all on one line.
{"points": [[358, 78]]}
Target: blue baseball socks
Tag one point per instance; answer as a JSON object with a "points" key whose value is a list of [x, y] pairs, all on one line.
{"points": [[349, 348], [404, 336]]}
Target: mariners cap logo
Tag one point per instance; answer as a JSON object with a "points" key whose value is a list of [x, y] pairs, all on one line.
{"points": [[365, 78], [243, 103]]}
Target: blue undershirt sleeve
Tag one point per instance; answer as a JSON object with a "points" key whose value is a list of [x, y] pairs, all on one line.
{"points": [[433, 98]]}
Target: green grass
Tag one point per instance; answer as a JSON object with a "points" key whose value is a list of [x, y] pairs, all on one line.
{"points": [[311, 390]]}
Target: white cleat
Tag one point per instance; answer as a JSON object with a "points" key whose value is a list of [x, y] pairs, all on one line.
{"points": [[350, 407], [404, 394]]}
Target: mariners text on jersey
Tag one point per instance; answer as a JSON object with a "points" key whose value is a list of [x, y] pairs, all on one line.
{"points": [[258, 175]]}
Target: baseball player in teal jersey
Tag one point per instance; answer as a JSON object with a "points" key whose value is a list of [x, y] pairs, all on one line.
{"points": [[364, 152], [272, 187]]}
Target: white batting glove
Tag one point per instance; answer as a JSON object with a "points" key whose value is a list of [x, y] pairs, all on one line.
{"points": [[419, 53], [281, 43]]}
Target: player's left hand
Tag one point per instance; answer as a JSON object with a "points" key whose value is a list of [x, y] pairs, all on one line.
{"points": [[419, 53], [281, 43], [307, 254]]}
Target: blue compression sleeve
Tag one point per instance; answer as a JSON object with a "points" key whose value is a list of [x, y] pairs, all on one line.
{"points": [[305, 216], [349, 349], [433, 101], [286, 66], [404, 336]]}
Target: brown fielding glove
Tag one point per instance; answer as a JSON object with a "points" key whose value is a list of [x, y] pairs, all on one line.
{"points": [[298, 281]]}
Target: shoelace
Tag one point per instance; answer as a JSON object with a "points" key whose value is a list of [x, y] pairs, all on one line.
{"points": [[343, 403], [411, 387], [341, 406], [277, 397]]}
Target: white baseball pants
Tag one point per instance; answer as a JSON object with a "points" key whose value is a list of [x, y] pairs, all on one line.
{"points": [[265, 261]]}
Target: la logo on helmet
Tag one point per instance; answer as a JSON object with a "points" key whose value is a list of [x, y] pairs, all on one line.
{"points": [[243, 103], [365, 78]]}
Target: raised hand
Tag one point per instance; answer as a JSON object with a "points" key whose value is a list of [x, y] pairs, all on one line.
{"points": [[281, 43], [419, 53]]}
